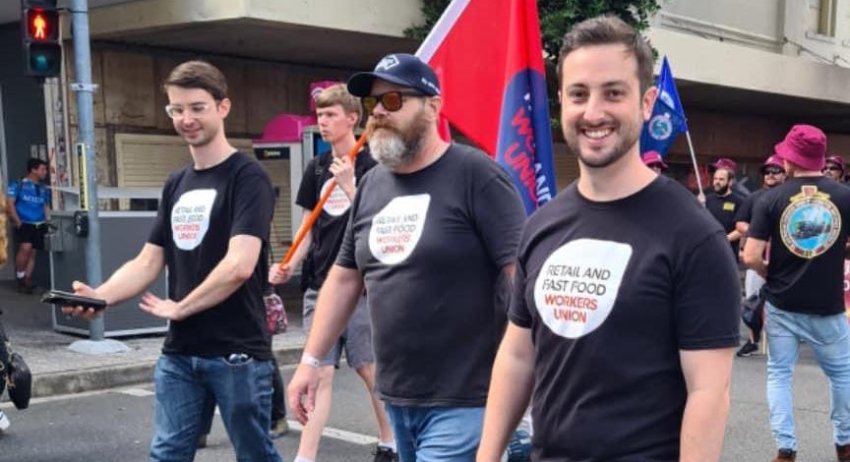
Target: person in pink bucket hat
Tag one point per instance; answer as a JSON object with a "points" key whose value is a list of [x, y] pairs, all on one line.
{"points": [[653, 160], [806, 221], [773, 174], [723, 201]]}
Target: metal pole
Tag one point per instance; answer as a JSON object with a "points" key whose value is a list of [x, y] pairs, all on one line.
{"points": [[700, 194], [85, 107]]}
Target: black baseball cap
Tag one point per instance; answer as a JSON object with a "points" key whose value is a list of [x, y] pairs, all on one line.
{"points": [[398, 68]]}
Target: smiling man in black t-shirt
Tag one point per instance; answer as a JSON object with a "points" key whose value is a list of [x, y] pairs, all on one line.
{"points": [[210, 232], [626, 298], [807, 222]]}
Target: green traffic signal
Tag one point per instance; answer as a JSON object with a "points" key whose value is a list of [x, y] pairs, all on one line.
{"points": [[45, 59]]}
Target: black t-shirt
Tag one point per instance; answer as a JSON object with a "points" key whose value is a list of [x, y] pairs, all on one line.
{"points": [[430, 245], [200, 211], [329, 228], [806, 221], [612, 291], [745, 209], [723, 209]]}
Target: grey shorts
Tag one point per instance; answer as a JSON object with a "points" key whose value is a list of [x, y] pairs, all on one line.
{"points": [[356, 338]]}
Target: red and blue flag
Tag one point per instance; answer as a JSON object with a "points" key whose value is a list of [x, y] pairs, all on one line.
{"points": [[488, 57]]}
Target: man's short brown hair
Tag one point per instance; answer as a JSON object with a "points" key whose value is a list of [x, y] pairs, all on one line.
{"points": [[338, 94], [606, 30], [198, 74]]}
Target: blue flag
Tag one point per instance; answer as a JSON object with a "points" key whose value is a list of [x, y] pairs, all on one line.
{"points": [[668, 117]]}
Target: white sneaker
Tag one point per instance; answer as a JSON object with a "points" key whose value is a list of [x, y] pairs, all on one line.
{"points": [[4, 422]]}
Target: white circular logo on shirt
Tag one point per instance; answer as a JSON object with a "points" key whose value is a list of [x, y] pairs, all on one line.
{"points": [[338, 203], [190, 218], [578, 285], [396, 229]]}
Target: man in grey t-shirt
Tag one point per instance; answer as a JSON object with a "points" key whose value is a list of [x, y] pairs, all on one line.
{"points": [[432, 236]]}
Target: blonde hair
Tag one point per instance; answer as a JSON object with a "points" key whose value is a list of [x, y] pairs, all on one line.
{"points": [[338, 94], [3, 240]]}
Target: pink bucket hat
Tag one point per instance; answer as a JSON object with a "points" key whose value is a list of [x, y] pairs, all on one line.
{"points": [[773, 161], [651, 158], [803, 146], [726, 164]]}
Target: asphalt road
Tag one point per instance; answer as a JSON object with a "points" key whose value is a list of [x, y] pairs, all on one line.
{"points": [[116, 425]]}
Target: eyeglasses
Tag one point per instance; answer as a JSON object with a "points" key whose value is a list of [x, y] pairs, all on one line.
{"points": [[773, 171], [832, 168], [194, 110], [391, 101]]}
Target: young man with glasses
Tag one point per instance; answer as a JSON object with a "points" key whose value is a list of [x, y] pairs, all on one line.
{"points": [[211, 232], [431, 237], [834, 168], [338, 112], [773, 175]]}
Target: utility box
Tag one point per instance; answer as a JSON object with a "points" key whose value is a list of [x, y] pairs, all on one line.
{"points": [[123, 233]]}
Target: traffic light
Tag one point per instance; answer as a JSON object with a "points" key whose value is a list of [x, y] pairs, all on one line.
{"points": [[42, 50]]}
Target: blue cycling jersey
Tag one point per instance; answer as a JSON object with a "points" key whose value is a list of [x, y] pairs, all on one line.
{"points": [[30, 199]]}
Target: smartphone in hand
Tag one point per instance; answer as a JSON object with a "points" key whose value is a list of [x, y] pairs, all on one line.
{"points": [[62, 298]]}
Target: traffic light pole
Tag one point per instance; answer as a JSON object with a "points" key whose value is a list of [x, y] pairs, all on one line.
{"points": [[85, 107]]}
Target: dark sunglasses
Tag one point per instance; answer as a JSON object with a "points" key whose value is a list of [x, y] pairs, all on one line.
{"points": [[773, 171], [832, 168], [391, 101]]}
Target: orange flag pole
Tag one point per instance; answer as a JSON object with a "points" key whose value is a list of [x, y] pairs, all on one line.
{"points": [[314, 215]]}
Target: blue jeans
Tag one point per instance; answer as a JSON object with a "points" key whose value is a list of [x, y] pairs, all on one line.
{"points": [[242, 390], [829, 337], [436, 434]]}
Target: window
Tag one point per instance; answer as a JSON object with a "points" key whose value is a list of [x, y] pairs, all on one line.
{"points": [[826, 18]]}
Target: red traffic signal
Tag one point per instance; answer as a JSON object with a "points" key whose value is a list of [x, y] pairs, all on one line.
{"points": [[40, 27]]}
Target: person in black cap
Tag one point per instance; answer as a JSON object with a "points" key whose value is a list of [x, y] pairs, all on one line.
{"points": [[431, 236]]}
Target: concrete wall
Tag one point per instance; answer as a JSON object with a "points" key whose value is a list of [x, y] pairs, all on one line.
{"points": [[756, 23], [783, 26]]}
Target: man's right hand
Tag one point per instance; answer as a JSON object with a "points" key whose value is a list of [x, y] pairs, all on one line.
{"points": [[302, 392], [280, 273], [84, 291]]}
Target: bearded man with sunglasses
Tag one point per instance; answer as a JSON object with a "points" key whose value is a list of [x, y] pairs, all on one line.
{"points": [[774, 175], [432, 235]]}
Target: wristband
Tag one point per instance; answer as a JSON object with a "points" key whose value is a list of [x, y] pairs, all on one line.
{"points": [[310, 360]]}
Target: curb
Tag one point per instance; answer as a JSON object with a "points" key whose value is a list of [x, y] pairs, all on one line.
{"points": [[102, 378]]}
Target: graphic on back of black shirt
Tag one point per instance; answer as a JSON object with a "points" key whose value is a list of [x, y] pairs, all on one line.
{"points": [[578, 284], [190, 217], [810, 224], [396, 229]]}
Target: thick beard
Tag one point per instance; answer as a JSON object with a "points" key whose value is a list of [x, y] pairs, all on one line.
{"points": [[629, 136], [722, 191], [393, 147]]}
